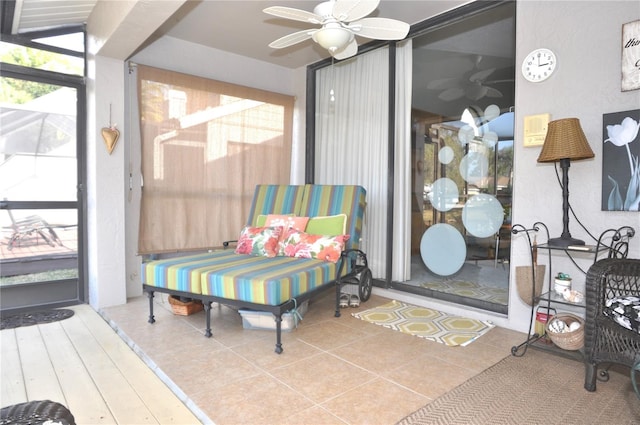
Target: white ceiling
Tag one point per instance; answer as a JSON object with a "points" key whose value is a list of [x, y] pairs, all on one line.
{"points": [[241, 27], [237, 26]]}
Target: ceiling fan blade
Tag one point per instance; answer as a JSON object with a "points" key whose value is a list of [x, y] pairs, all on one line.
{"points": [[347, 52], [380, 28], [451, 94], [491, 92], [481, 75], [352, 10], [443, 83], [294, 14], [476, 91], [291, 39]]}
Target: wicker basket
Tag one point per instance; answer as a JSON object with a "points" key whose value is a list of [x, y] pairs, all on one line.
{"points": [[573, 340], [183, 308]]}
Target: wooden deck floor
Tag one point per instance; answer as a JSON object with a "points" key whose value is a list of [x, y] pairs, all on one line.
{"points": [[82, 363]]}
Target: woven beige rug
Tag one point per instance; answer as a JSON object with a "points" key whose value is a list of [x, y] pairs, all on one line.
{"points": [[538, 388], [426, 323]]}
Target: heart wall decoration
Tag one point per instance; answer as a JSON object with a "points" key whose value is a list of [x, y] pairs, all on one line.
{"points": [[110, 136]]}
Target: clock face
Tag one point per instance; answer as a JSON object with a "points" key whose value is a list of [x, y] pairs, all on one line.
{"points": [[539, 65]]}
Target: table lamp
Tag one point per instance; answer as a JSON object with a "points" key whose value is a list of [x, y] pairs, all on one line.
{"points": [[565, 141]]}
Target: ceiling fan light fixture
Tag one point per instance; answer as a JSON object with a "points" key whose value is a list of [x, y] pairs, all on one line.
{"points": [[340, 20], [333, 39]]}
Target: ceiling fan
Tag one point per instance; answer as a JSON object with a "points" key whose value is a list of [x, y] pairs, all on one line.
{"points": [[341, 21], [473, 84]]}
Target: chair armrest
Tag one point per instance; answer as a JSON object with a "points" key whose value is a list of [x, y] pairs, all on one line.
{"points": [[609, 278], [225, 244], [356, 258]]}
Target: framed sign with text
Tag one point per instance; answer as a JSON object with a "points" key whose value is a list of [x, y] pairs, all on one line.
{"points": [[631, 56]]}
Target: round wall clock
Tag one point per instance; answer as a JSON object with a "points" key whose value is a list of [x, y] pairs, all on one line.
{"points": [[539, 65]]}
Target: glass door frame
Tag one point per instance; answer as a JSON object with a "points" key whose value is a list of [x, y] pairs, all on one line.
{"points": [[64, 292]]}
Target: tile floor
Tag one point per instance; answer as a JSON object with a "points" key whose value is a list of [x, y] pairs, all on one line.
{"points": [[332, 371]]}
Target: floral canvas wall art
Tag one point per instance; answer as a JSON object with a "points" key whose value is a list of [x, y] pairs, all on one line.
{"points": [[621, 161]]}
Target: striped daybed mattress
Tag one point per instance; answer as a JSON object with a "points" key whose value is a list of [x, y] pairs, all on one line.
{"points": [[273, 284]]}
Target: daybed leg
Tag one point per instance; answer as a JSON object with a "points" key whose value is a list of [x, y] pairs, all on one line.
{"points": [[337, 299], [151, 317], [278, 333], [207, 312]]}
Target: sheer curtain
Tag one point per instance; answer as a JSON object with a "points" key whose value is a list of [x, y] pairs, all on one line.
{"points": [[401, 244], [351, 144]]}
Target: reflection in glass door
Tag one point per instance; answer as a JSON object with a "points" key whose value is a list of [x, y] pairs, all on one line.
{"points": [[39, 218], [462, 150]]}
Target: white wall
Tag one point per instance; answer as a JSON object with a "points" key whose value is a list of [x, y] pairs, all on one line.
{"points": [[586, 37], [105, 192], [114, 31]]}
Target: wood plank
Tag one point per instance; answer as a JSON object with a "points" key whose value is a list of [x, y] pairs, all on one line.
{"points": [[13, 389], [164, 404], [84, 400], [40, 378], [123, 402]]}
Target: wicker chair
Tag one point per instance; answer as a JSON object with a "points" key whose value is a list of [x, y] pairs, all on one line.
{"points": [[606, 341], [36, 412]]}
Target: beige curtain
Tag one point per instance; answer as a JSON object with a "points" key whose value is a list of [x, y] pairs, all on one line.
{"points": [[205, 145]]}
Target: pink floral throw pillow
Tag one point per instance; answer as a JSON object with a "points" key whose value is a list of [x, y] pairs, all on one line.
{"points": [[262, 241], [303, 245], [287, 221]]}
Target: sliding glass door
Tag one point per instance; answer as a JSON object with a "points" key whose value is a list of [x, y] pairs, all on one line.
{"points": [[439, 225], [462, 159], [40, 188]]}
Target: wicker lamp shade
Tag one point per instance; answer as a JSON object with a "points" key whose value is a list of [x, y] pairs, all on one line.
{"points": [[565, 140]]}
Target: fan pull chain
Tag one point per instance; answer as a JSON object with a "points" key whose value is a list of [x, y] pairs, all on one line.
{"points": [[332, 93]]}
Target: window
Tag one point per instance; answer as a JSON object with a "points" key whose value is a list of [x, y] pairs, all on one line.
{"points": [[45, 60]]}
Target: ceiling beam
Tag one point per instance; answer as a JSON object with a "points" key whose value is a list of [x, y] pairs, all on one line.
{"points": [[116, 29]]}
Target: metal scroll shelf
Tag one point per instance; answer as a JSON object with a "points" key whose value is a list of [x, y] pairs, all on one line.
{"points": [[612, 243]]}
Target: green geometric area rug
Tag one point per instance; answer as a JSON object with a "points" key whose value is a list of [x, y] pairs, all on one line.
{"points": [[470, 290], [538, 388], [426, 323]]}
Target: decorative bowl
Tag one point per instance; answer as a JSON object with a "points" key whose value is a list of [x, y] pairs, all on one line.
{"points": [[573, 296]]}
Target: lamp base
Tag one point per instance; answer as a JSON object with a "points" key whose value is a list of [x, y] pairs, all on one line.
{"points": [[564, 242]]}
